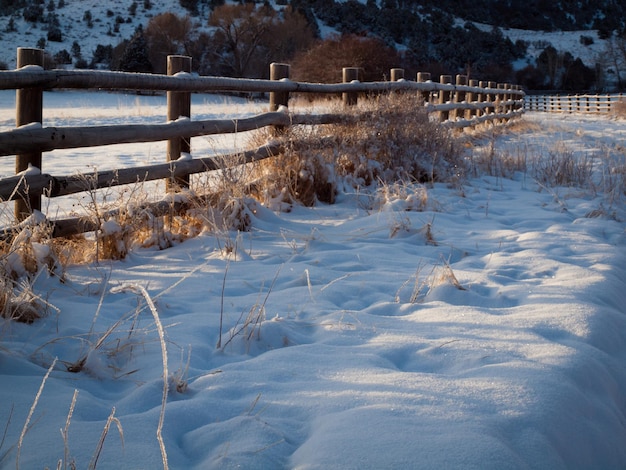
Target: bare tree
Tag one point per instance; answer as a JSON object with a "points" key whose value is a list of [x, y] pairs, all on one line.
{"points": [[240, 30], [167, 34]]}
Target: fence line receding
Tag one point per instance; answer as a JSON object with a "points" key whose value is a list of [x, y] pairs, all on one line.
{"points": [[576, 103], [457, 105]]}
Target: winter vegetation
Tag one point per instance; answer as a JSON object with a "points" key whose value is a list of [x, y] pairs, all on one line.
{"points": [[384, 292]]}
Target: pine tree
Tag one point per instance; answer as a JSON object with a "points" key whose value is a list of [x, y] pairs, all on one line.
{"points": [[135, 56]]}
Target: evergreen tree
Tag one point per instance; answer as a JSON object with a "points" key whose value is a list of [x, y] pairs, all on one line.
{"points": [[135, 56], [75, 50]]}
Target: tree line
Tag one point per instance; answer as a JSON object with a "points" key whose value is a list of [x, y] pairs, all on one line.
{"points": [[241, 40]]}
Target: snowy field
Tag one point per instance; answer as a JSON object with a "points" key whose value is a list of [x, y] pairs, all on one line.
{"points": [[487, 331]]}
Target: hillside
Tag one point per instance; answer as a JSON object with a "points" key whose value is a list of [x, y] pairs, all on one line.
{"points": [[441, 37]]}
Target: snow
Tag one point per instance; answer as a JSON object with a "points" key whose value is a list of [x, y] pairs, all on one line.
{"points": [[485, 330], [31, 170], [75, 29]]}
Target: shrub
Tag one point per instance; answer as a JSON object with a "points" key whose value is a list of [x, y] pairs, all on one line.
{"points": [[103, 54], [134, 57], [619, 108], [387, 138], [166, 34], [75, 50], [323, 63], [63, 57], [247, 39], [33, 13], [81, 64], [55, 34]]}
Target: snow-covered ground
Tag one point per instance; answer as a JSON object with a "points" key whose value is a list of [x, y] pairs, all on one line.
{"points": [[486, 331], [76, 27]]}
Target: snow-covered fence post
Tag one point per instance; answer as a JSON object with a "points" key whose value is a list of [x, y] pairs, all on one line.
{"points": [[350, 74], [472, 97], [520, 104], [459, 96], [279, 98], [500, 98], [397, 74], [423, 77], [483, 97], [178, 105], [491, 97], [444, 96], [29, 109]]}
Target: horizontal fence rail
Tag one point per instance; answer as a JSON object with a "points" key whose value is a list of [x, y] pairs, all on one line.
{"points": [[577, 103], [462, 104]]}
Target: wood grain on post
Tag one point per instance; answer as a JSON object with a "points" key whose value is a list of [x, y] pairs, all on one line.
{"points": [[459, 95], [350, 74], [29, 108], [472, 97], [483, 97], [178, 105], [444, 96], [492, 97], [397, 74], [279, 98], [423, 77]]}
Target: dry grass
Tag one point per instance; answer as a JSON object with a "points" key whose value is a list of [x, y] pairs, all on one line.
{"points": [[440, 273], [386, 138], [619, 109]]}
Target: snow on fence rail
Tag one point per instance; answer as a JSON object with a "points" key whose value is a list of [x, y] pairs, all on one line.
{"points": [[457, 105], [587, 104]]}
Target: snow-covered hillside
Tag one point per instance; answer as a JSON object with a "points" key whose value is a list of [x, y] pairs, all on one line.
{"points": [[107, 27], [112, 22]]}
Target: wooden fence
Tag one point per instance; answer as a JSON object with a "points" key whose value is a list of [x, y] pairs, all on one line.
{"points": [[457, 105], [586, 104]]}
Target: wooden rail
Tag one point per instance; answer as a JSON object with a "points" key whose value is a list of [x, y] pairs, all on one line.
{"points": [[458, 105], [578, 103]]}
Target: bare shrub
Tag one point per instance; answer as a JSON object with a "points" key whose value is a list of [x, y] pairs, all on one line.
{"points": [[561, 167], [246, 39], [167, 34], [619, 108], [323, 63], [387, 138], [390, 138]]}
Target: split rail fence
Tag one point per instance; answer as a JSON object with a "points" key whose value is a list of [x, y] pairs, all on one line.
{"points": [[585, 103], [457, 105]]}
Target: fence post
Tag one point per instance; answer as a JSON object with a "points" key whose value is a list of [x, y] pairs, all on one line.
{"points": [[350, 74], [483, 97], [421, 78], [29, 108], [491, 97], [178, 105], [279, 98], [397, 74], [279, 71], [500, 98], [459, 96], [444, 96], [472, 97]]}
